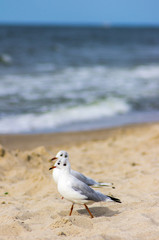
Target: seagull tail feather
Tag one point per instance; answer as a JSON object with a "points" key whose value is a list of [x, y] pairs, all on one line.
{"points": [[115, 199], [105, 184], [102, 184]]}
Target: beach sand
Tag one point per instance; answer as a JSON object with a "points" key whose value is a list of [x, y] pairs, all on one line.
{"points": [[31, 207]]}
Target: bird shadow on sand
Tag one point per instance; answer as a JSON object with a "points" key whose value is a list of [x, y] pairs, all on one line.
{"points": [[99, 212]]}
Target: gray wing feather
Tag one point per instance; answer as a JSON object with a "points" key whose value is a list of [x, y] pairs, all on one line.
{"points": [[88, 192], [81, 177], [89, 181]]}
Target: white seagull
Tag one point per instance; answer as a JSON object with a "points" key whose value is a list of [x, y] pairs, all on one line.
{"points": [[80, 176], [75, 190]]}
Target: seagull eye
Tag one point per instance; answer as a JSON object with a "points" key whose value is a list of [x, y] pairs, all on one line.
{"points": [[58, 163], [65, 156], [64, 164], [61, 154]]}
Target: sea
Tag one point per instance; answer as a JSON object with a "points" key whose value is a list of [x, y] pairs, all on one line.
{"points": [[73, 78]]}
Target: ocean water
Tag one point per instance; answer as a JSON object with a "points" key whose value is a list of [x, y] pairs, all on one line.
{"points": [[77, 78]]}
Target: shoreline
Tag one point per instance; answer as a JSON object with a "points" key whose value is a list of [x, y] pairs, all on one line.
{"points": [[31, 141]]}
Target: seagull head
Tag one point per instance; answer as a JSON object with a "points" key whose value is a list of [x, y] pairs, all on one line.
{"points": [[59, 155], [62, 160]]}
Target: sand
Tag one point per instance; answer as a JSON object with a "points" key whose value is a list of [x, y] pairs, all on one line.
{"points": [[31, 207]]}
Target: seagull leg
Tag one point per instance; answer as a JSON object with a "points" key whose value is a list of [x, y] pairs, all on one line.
{"points": [[88, 211], [71, 209]]}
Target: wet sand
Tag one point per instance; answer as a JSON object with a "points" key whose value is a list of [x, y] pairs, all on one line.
{"points": [[31, 207]]}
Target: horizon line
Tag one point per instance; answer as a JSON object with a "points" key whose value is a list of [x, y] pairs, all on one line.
{"points": [[102, 25]]}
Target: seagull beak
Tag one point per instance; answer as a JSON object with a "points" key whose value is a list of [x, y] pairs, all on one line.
{"points": [[52, 159], [52, 167]]}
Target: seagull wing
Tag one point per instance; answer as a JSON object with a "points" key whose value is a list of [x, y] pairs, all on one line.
{"points": [[87, 192], [83, 178]]}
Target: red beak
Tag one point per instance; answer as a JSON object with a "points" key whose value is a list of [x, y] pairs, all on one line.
{"points": [[52, 167], [52, 159]]}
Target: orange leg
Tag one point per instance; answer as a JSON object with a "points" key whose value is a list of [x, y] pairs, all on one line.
{"points": [[71, 209], [88, 211]]}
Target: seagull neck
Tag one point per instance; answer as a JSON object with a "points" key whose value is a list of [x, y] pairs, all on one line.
{"points": [[66, 170]]}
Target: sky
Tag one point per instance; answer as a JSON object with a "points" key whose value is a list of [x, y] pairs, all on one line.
{"points": [[84, 12]]}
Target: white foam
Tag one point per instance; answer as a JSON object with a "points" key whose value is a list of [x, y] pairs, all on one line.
{"points": [[128, 81], [44, 121], [93, 93]]}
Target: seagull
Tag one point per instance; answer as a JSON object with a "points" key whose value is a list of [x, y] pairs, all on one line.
{"points": [[89, 181], [76, 191]]}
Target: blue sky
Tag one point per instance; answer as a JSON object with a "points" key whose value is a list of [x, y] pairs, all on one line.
{"points": [[140, 12]]}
